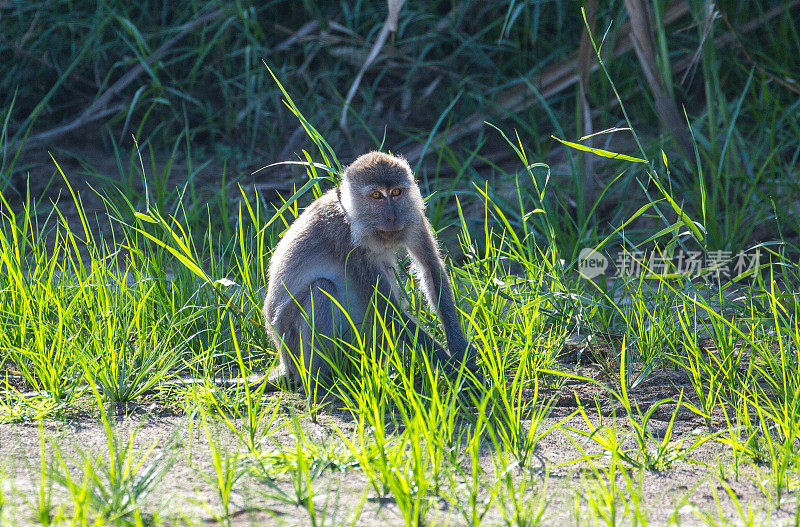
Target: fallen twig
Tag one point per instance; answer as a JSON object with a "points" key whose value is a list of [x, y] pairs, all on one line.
{"points": [[789, 84], [552, 81], [564, 74], [99, 108]]}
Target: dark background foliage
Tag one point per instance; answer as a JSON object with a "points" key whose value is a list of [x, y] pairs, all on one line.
{"points": [[187, 79]]}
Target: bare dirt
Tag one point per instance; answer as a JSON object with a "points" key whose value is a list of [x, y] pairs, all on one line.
{"points": [[681, 493]]}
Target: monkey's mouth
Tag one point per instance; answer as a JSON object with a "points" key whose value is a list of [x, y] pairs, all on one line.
{"points": [[389, 235]]}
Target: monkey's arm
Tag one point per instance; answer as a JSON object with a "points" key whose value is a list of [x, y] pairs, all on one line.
{"points": [[432, 275], [439, 355], [372, 279]]}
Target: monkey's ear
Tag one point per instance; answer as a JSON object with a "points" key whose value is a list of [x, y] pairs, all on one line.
{"points": [[346, 170]]}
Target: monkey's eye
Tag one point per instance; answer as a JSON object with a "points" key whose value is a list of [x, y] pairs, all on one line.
{"points": [[397, 191], [376, 194]]}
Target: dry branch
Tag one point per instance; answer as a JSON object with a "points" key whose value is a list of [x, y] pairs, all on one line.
{"points": [[643, 38], [389, 26], [564, 74], [586, 56]]}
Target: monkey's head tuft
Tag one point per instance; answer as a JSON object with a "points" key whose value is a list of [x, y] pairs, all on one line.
{"points": [[379, 168], [381, 199]]}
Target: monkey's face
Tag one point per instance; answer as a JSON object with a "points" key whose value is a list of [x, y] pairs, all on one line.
{"points": [[381, 199], [387, 211], [381, 215]]}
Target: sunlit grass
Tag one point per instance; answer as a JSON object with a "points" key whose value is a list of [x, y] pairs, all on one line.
{"points": [[132, 318]]}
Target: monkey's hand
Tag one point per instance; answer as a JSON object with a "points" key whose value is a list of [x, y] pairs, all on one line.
{"points": [[465, 353]]}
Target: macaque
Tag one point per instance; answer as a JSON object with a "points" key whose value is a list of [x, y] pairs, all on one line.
{"points": [[345, 246]]}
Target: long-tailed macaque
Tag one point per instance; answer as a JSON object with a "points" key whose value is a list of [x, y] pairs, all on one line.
{"points": [[345, 246]]}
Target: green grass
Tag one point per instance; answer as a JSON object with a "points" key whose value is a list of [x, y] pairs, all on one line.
{"points": [[124, 318], [153, 297]]}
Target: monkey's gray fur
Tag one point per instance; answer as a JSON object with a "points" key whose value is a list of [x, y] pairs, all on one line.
{"points": [[345, 246]]}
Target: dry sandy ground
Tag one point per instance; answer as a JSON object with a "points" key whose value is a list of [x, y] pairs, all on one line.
{"points": [[185, 495]]}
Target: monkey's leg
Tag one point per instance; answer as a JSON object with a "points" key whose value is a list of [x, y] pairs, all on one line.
{"points": [[318, 335], [284, 330], [284, 376]]}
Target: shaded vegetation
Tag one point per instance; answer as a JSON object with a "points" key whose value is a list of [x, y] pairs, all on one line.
{"points": [[187, 77]]}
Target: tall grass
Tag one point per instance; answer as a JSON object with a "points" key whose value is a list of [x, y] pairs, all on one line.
{"points": [[128, 317], [157, 297]]}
